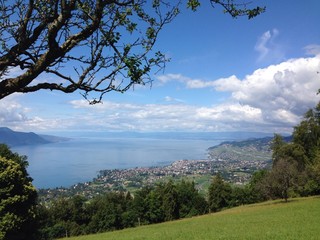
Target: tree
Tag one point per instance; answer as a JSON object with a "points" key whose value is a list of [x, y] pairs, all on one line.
{"points": [[191, 203], [154, 201], [68, 217], [141, 206], [219, 194], [107, 212], [296, 164], [293, 152], [6, 152], [276, 146], [170, 202], [259, 190], [307, 133], [282, 177], [312, 180], [241, 195], [17, 202], [107, 43]]}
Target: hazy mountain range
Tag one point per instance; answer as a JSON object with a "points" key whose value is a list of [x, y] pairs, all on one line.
{"points": [[14, 138]]}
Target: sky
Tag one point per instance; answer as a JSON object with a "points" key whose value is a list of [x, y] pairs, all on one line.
{"points": [[258, 75]]}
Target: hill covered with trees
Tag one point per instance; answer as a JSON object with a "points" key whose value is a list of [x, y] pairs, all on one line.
{"points": [[264, 221]]}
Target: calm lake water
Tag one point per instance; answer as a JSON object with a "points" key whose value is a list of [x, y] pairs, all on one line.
{"points": [[80, 158]]}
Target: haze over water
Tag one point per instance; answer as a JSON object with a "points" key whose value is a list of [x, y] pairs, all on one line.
{"points": [[80, 159]]}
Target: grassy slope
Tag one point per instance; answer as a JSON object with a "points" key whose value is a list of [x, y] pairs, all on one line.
{"points": [[297, 219]]}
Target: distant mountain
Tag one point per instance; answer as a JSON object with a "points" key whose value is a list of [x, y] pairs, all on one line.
{"points": [[53, 139], [13, 138], [263, 143], [255, 149]]}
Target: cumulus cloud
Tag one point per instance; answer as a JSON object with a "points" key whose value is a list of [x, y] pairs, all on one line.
{"points": [[290, 85], [14, 115], [270, 99], [275, 96], [12, 111]]}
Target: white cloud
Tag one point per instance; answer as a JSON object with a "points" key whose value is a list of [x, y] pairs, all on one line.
{"points": [[275, 97], [220, 84], [178, 117], [266, 46], [172, 100], [11, 112], [170, 77], [270, 99], [312, 49], [14, 115], [261, 44], [290, 85]]}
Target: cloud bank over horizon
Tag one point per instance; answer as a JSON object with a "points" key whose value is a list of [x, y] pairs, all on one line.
{"points": [[270, 99]]}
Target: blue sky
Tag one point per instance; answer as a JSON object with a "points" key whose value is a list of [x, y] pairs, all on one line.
{"points": [[224, 75]]}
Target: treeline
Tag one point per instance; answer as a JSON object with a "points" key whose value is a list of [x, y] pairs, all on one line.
{"points": [[118, 210], [295, 172]]}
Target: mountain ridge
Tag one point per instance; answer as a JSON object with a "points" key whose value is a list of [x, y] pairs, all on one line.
{"points": [[15, 138]]}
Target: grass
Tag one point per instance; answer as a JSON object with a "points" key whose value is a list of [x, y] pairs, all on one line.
{"points": [[297, 219]]}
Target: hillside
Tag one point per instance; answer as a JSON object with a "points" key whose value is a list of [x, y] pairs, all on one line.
{"points": [[256, 149], [297, 219], [14, 138]]}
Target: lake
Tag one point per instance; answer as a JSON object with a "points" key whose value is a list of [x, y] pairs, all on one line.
{"points": [[80, 159]]}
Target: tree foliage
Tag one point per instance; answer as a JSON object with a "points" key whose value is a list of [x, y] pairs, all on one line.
{"points": [[282, 177], [232, 7], [17, 198], [170, 202], [117, 210], [295, 167], [307, 133], [91, 46], [219, 194]]}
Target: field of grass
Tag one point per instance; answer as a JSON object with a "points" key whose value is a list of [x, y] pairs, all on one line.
{"points": [[297, 219]]}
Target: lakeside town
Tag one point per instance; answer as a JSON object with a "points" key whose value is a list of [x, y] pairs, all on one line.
{"points": [[236, 163]]}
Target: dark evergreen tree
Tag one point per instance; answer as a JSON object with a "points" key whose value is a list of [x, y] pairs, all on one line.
{"points": [[129, 216], [240, 195], [170, 202], [191, 203], [141, 206], [107, 214], [258, 187], [154, 200], [219, 194]]}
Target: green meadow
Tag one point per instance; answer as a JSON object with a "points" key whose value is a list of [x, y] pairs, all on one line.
{"points": [[297, 219]]}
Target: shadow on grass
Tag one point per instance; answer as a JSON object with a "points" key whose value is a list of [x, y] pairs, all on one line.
{"points": [[278, 201], [290, 200]]}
